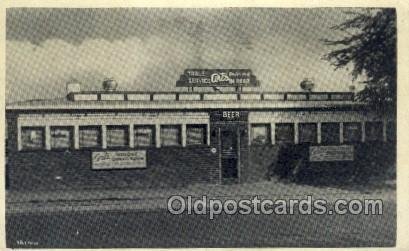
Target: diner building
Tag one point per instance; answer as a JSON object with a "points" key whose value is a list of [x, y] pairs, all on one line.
{"points": [[110, 138]]}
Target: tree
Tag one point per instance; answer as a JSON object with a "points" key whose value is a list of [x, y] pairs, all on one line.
{"points": [[369, 46]]}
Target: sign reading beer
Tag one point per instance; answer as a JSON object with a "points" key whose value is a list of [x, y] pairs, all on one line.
{"points": [[332, 153], [228, 115], [217, 77], [118, 159]]}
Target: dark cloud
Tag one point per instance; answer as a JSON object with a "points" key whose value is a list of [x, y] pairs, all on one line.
{"points": [[77, 25], [236, 24], [147, 49]]}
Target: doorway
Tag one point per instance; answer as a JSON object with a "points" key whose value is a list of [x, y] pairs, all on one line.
{"points": [[229, 153]]}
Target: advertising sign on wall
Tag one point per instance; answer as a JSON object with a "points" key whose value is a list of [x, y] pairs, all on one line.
{"points": [[332, 153], [217, 77], [119, 159], [228, 115]]}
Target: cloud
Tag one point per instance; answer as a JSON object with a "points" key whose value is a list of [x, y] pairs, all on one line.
{"points": [[149, 49], [41, 71]]}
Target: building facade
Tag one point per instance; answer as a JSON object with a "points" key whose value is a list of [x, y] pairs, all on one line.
{"points": [[145, 140]]}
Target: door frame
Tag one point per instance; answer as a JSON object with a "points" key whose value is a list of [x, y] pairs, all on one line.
{"points": [[235, 129]]}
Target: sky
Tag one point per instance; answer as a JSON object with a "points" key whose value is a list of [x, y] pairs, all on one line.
{"points": [[148, 49]]}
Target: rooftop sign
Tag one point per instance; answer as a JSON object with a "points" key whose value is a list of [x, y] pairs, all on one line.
{"points": [[217, 78]]}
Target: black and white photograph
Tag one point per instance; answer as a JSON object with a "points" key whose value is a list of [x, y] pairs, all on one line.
{"points": [[191, 127]]}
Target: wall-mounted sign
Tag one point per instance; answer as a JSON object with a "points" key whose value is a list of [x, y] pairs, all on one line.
{"points": [[217, 77], [228, 115], [231, 114], [332, 153], [119, 159]]}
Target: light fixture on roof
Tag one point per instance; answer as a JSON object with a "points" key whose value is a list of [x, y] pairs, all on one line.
{"points": [[109, 84], [307, 85], [73, 86]]}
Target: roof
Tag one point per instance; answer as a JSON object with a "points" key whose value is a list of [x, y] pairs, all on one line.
{"points": [[181, 101]]}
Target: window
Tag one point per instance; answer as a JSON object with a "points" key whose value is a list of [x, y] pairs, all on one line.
{"points": [[307, 132], [89, 136], [196, 134], [284, 133], [373, 131], [117, 136], [352, 132], [260, 134], [32, 138], [391, 131], [330, 133], [144, 135], [61, 137], [170, 135]]}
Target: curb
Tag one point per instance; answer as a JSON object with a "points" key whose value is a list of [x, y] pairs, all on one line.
{"points": [[160, 203]]}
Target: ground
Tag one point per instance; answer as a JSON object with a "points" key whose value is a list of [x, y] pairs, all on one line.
{"points": [[138, 218]]}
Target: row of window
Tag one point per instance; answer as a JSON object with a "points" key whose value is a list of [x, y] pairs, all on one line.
{"points": [[62, 137], [330, 132]]}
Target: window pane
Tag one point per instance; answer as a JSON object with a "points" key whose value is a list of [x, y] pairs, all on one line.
{"points": [[391, 131], [195, 134], [373, 131], [352, 132], [308, 133], [285, 133], [117, 136], [144, 135], [330, 133], [61, 137], [32, 138], [170, 135], [260, 134], [90, 136]]}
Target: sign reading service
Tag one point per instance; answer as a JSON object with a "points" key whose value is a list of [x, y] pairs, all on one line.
{"points": [[332, 153], [119, 159]]}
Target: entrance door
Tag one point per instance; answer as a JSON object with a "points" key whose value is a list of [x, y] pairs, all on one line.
{"points": [[229, 153]]}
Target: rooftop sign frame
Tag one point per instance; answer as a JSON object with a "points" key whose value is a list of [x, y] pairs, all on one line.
{"points": [[217, 78]]}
